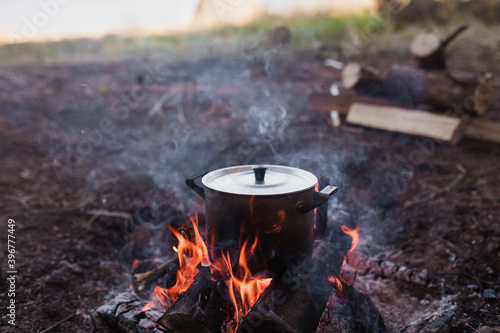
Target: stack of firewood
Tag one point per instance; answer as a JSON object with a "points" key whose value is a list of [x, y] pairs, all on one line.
{"points": [[426, 99]]}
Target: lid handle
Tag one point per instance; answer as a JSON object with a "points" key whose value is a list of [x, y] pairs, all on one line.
{"points": [[259, 172]]}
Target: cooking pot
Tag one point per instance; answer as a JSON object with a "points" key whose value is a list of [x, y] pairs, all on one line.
{"points": [[273, 204]]}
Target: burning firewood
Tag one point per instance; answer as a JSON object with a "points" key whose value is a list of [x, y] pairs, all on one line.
{"points": [[428, 49], [200, 309], [296, 301], [350, 311]]}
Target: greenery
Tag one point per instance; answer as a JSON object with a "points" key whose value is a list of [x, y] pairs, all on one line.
{"points": [[366, 32], [323, 28]]}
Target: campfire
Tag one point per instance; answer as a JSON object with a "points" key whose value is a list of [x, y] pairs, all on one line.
{"points": [[270, 278]]}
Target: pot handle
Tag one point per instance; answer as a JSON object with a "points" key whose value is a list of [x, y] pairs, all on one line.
{"points": [[190, 181], [319, 198]]}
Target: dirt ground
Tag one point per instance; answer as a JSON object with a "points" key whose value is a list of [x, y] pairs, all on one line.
{"points": [[94, 157]]}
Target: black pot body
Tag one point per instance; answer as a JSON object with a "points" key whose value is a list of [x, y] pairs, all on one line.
{"points": [[283, 234]]}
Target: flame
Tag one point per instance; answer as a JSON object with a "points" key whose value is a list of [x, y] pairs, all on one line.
{"points": [[317, 189], [244, 288], [333, 279], [190, 256], [160, 296], [354, 233], [134, 264]]}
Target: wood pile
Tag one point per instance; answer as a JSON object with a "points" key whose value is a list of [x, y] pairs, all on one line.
{"points": [[426, 99]]}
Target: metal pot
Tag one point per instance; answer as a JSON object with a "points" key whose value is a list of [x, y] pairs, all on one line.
{"points": [[273, 204]]}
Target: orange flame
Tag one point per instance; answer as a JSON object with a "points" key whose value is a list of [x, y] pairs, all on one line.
{"points": [[244, 288], [244, 291], [333, 279], [354, 233], [317, 189], [134, 264], [190, 256], [160, 296]]}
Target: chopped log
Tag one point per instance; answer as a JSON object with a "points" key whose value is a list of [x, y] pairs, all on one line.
{"points": [[406, 121], [201, 309], [351, 311], [361, 78], [342, 103], [428, 49], [410, 87], [294, 306], [483, 130], [296, 302]]}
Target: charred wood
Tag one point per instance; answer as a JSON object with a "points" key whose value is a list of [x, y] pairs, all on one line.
{"points": [[201, 309], [124, 314], [438, 322], [296, 302], [350, 311], [305, 301]]}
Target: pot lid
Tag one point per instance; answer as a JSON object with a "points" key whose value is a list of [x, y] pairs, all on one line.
{"points": [[259, 180]]}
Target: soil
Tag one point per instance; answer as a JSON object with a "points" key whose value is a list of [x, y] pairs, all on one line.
{"points": [[94, 157]]}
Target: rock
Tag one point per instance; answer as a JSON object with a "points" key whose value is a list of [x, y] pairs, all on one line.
{"points": [[490, 294], [419, 276], [388, 269], [438, 322]]}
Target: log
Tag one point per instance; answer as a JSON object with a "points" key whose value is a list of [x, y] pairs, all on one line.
{"points": [[409, 87], [296, 302], [428, 49], [406, 121], [124, 314], [291, 306], [201, 309], [342, 103], [482, 130], [360, 77], [351, 311]]}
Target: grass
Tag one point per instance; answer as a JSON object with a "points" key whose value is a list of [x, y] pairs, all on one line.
{"points": [[323, 28], [359, 33]]}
